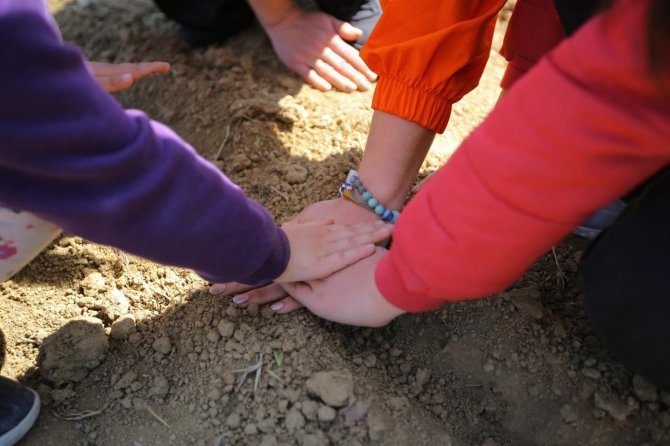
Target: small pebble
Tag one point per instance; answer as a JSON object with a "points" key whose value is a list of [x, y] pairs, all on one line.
{"points": [[294, 420], [162, 345], [326, 414], [569, 414], [268, 440], [644, 390], [250, 429], [309, 409], [226, 328], [233, 420], [592, 373]]}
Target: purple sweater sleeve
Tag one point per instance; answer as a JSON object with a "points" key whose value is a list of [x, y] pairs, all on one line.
{"points": [[71, 154]]}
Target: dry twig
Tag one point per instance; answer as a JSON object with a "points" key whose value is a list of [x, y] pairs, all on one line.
{"points": [[62, 414], [561, 277], [280, 193], [257, 367], [158, 417]]}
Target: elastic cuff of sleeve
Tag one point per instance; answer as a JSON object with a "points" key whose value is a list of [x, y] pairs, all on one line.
{"points": [[275, 263], [389, 283], [408, 102]]}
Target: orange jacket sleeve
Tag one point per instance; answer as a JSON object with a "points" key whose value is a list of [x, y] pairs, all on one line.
{"points": [[428, 54], [582, 128]]}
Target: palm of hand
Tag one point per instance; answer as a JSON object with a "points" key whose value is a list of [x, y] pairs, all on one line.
{"points": [[349, 296]]}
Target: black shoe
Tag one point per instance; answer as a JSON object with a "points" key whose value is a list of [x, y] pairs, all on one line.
{"points": [[19, 407]]}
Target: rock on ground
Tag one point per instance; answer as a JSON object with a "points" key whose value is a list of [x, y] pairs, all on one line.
{"points": [[333, 388], [72, 351]]}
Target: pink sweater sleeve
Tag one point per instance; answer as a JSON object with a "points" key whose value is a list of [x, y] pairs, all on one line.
{"points": [[585, 126]]}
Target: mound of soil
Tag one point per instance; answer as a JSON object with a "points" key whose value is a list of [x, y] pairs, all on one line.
{"points": [[140, 354]]}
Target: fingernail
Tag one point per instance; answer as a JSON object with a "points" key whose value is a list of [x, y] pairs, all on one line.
{"points": [[127, 77], [219, 288], [277, 306], [241, 299], [366, 85]]}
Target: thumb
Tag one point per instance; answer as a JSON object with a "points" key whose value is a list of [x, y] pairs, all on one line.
{"points": [[347, 31]]}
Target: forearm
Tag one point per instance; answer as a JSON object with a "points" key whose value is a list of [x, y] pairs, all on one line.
{"points": [[520, 183], [72, 155], [271, 12], [394, 152]]}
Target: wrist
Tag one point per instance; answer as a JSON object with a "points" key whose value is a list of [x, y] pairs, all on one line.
{"points": [[391, 193], [270, 14], [393, 155], [355, 213], [389, 278], [354, 191], [382, 309]]}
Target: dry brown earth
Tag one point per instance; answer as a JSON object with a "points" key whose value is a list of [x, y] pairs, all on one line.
{"points": [[138, 354]]}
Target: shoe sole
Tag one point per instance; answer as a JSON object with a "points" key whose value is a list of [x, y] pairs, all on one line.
{"points": [[20, 430]]}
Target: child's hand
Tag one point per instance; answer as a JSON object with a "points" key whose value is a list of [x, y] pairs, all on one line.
{"points": [[319, 248], [115, 77], [349, 296]]}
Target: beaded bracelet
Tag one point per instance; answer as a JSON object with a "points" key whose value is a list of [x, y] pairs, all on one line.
{"points": [[353, 190]]}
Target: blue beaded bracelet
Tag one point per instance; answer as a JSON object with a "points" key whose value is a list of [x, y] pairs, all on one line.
{"points": [[353, 190]]}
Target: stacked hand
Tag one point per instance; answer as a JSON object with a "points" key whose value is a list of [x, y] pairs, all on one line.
{"points": [[348, 296], [115, 77], [314, 45], [319, 248]]}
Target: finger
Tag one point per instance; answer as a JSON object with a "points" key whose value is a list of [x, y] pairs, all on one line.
{"points": [[348, 31], [341, 259], [331, 75], [345, 69], [374, 236], [325, 222], [298, 290], [354, 228], [137, 70], [285, 305], [312, 78], [102, 68], [115, 83], [360, 233], [303, 293], [141, 68], [260, 296], [351, 55], [231, 288], [147, 68]]}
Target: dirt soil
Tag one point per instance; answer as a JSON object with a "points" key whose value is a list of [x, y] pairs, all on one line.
{"points": [[127, 352]]}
